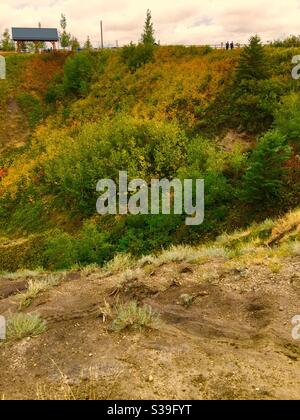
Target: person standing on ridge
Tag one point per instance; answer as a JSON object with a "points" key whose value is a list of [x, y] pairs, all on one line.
{"points": [[232, 46], [227, 46]]}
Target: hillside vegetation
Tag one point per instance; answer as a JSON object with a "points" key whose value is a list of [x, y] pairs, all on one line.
{"points": [[111, 307], [155, 112]]}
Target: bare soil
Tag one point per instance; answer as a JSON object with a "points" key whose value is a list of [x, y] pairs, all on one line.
{"points": [[233, 342]]}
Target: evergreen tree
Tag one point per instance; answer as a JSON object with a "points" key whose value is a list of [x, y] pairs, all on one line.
{"points": [[7, 43], [65, 38], [74, 43], [148, 34], [63, 22], [255, 95], [78, 72], [264, 179], [88, 45], [253, 62]]}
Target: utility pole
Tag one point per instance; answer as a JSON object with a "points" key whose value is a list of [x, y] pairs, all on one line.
{"points": [[101, 28]]}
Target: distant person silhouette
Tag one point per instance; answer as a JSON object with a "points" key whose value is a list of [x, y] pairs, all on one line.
{"points": [[232, 46], [227, 46]]}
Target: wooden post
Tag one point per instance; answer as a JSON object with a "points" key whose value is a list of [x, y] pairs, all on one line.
{"points": [[53, 45], [36, 44]]}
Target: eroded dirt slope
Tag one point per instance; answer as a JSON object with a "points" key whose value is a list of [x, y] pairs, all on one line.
{"points": [[233, 341]]}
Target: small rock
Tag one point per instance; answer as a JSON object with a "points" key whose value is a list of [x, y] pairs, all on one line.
{"points": [[185, 270], [176, 283]]}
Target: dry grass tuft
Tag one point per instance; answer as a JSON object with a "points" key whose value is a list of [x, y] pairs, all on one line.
{"points": [[85, 389], [22, 274], [178, 254], [90, 269], [131, 275], [36, 287], [295, 248], [20, 326], [285, 227], [121, 262], [88, 387], [256, 233], [184, 253], [131, 316]]}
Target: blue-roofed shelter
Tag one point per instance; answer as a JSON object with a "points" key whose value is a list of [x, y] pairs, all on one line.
{"points": [[35, 35]]}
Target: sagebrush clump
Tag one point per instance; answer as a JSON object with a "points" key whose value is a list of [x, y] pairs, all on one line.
{"points": [[24, 325], [131, 316]]}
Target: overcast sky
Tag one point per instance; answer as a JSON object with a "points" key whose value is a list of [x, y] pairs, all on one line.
{"points": [[176, 21]]}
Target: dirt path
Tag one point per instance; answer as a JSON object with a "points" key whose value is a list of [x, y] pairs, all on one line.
{"points": [[233, 342], [14, 129]]}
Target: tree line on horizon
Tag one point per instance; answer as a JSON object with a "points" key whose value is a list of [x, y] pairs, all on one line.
{"points": [[67, 40]]}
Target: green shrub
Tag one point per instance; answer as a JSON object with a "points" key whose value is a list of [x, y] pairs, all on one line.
{"points": [[55, 91], [256, 102], [93, 247], [78, 72], [264, 179], [291, 41], [143, 148], [30, 216], [287, 118], [23, 253], [145, 233], [180, 51], [60, 251], [135, 56]]}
